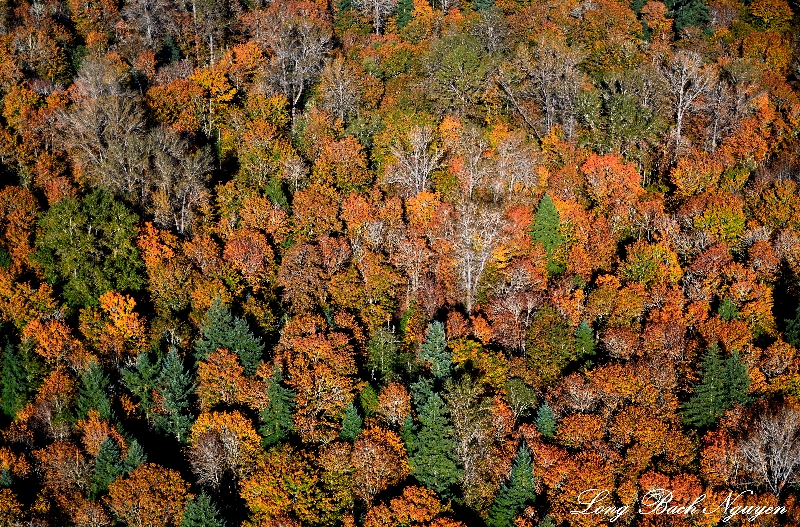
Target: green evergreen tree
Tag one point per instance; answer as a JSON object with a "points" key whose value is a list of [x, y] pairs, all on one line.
{"points": [[727, 310], [141, 381], [403, 10], [221, 329], [545, 227], [174, 386], [107, 468], [432, 443], [277, 416], [546, 421], [724, 382], [201, 512], [134, 457], [792, 333], [92, 394], [351, 424], [688, 13], [88, 247], [13, 395], [434, 351], [584, 340], [515, 494], [481, 5]]}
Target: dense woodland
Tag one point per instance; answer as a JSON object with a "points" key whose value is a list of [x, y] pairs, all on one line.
{"points": [[393, 263]]}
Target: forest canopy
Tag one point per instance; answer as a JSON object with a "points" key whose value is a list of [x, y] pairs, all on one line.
{"points": [[397, 263]]}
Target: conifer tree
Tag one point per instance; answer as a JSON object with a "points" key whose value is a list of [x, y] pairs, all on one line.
{"points": [[134, 457], [724, 382], [92, 393], [792, 333], [201, 512], [688, 12], [584, 340], [222, 330], [277, 416], [515, 494], [351, 424], [481, 5], [546, 421], [174, 387], [403, 11], [545, 231], [432, 445], [107, 468], [15, 384], [434, 351], [141, 381]]}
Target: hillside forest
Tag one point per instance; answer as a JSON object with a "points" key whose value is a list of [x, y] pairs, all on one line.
{"points": [[398, 263]]}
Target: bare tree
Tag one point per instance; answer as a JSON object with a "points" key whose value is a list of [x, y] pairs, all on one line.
{"points": [[207, 459], [687, 79], [475, 237], [341, 93], [377, 10], [416, 158], [771, 451]]}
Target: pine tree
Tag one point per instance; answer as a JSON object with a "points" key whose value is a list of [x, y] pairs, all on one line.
{"points": [[92, 393], [222, 330], [433, 447], [434, 351], [351, 424], [688, 13], [481, 5], [724, 382], [174, 386], [792, 333], [546, 421], [584, 340], [13, 395], [201, 512], [107, 468], [277, 416], [545, 231], [514, 495]]}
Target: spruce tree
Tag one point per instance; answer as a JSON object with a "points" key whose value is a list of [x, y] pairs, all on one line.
{"points": [[141, 381], [724, 382], [351, 424], [13, 395], [433, 447], [481, 5], [201, 512], [403, 10], [584, 340], [545, 227], [515, 494], [792, 333], [107, 468], [546, 421], [92, 393], [221, 329], [688, 13], [174, 386], [134, 457], [277, 416], [434, 351]]}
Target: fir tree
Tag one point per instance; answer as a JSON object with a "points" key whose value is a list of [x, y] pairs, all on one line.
{"points": [[277, 416], [433, 447], [545, 231], [792, 333], [92, 393], [688, 13], [351, 424], [15, 383], [201, 512], [724, 382], [514, 495], [727, 310], [434, 351], [584, 340], [481, 5], [174, 386], [546, 421], [107, 468], [222, 330]]}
